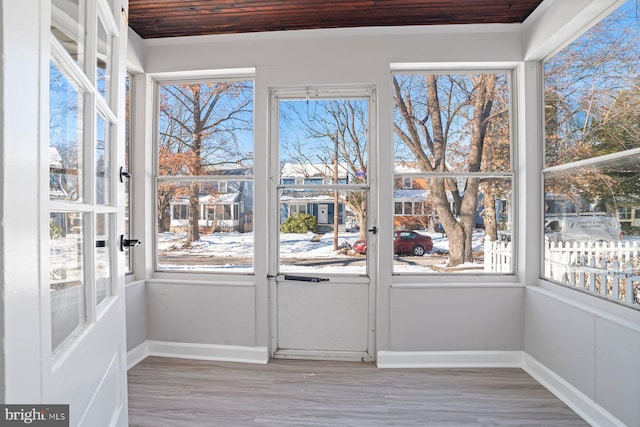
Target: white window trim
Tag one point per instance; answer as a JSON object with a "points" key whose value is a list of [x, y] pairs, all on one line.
{"points": [[212, 278], [513, 69]]}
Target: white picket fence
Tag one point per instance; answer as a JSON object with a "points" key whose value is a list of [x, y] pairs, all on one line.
{"points": [[498, 256], [611, 270]]}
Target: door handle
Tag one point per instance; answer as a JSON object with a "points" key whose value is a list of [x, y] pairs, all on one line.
{"points": [[124, 174], [374, 230], [306, 279], [128, 243]]}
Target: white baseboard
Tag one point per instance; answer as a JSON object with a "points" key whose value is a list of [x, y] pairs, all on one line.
{"points": [[137, 355], [221, 353], [581, 404], [449, 359]]}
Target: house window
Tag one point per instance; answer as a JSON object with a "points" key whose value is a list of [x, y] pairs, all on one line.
{"points": [[624, 213], [592, 153], [204, 176], [297, 209], [452, 139], [180, 212]]}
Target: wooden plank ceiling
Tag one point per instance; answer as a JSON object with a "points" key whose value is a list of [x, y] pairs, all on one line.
{"points": [[174, 18]]}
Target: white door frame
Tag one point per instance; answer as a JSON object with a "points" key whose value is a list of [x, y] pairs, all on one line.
{"points": [[274, 218]]}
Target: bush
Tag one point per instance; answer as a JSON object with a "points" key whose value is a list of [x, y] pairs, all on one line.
{"points": [[299, 223], [55, 231]]}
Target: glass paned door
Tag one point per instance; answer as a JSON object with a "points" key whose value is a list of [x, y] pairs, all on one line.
{"points": [[83, 335], [321, 261]]}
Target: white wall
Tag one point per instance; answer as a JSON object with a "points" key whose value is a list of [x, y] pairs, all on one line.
{"points": [[594, 345], [136, 314], [456, 319], [332, 57]]}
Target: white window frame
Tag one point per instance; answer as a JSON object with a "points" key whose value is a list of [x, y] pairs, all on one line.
{"points": [[162, 79], [574, 165], [513, 70]]}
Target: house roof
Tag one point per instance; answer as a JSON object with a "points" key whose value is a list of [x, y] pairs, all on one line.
{"points": [[311, 170]]}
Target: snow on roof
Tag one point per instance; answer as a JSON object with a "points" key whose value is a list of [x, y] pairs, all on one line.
{"points": [[208, 199], [407, 167], [55, 160], [399, 195], [308, 198], [410, 194], [311, 170]]}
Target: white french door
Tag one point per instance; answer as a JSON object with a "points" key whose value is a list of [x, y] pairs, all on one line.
{"points": [[83, 329], [322, 291]]}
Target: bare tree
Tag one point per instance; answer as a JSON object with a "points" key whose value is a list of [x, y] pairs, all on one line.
{"points": [[198, 126], [338, 132], [443, 122]]}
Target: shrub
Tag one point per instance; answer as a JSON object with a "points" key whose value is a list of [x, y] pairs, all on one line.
{"points": [[55, 231], [299, 223]]}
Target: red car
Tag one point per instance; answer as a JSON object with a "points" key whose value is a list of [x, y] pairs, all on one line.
{"points": [[404, 242]]}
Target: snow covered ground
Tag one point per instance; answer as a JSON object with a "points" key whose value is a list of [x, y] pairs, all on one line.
{"points": [[293, 247]]}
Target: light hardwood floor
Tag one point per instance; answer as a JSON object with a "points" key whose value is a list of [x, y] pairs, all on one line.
{"points": [[177, 392]]}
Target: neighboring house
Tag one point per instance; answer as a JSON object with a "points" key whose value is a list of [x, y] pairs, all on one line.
{"points": [[413, 210], [225, 205], [629, 216], [316, 202]]}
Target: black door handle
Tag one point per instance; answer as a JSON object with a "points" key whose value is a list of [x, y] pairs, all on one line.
{"points": [[128, 243], [306, 279], [124, 174], [374, 230]]}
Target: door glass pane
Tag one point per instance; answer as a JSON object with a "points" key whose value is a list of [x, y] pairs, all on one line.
{"points": [[104, 286], [314, 133], [308, 243], [66, 275], [65, 137], [67, 25], [323, 143], [103, 61], [103, 172]]}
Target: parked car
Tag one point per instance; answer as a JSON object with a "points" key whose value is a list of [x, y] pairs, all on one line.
{"points": [[404, 242]]}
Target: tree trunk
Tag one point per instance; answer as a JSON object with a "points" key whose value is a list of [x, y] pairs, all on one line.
{"points": [[193, 231], [490, 223]]}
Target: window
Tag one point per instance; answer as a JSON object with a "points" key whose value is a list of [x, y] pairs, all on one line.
{"points": [[297, 209], [128, 182], [624, 212], [409, 208], [180, 212], [592, 160], [82, 210], [204, 176], [453, 175]]}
